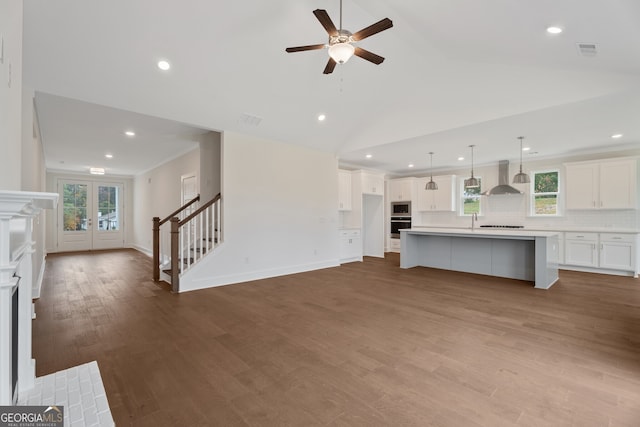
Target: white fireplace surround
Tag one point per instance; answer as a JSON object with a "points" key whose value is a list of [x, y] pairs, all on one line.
{"points": [[17, 212]]}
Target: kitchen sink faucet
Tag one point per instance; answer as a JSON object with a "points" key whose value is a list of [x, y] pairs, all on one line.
{"points": [[474, 218]]}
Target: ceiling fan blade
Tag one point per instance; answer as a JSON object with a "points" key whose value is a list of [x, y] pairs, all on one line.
{"points": [[369, 56], [330, 66], [303, 48], [326, 22], [383, 24]]}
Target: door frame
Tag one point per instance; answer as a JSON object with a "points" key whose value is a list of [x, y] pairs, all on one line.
{"points": [[57, 224]]}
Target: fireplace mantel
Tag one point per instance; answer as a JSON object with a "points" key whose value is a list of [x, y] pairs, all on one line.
{"points": [[17, 211]]}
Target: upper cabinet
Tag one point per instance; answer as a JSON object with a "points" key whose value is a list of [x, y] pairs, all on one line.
{"points": [[401, 189], [608, 184], [344, 190], [442, 199], [372, 183]]}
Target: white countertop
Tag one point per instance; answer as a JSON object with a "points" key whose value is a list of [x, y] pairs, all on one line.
{"points": [[543, 228], [482, 232]]}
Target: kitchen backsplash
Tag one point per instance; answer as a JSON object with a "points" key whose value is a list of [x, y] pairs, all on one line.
{"points": [[512, 210]]}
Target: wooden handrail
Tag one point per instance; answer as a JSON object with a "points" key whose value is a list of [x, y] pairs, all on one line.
{"points": [[174, 233], [175, 255], [180, 209], [200, 209]]}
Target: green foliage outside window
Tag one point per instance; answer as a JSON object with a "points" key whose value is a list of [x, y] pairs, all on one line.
{"points": [[545, 193], [471, 199], [74, 207]]}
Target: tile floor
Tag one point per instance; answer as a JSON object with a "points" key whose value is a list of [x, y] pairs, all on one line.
{"points": [[79, 390]]}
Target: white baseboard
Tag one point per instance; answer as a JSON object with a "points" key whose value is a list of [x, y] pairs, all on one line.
{"points": [[230, 279], [37, 285], [596, 270], [142, 249]]}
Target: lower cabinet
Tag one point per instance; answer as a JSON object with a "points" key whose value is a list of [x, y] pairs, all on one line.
{"points": [[581, 249], [606, 251], [350, 245], [617, 251], [394, 245]]}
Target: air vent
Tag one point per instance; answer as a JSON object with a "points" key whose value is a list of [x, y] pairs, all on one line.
{"points": [[587, 49], [250, 119]]}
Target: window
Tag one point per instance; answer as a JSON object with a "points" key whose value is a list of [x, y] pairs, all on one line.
{"points": [[74, 204], [544, 193], [471, 199]]}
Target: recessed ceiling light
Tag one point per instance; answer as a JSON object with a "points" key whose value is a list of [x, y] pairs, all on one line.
{"points": [[164, 65], [321, 117], [526, 148], [460, 158], [368, 156], [411, 165], [616, 136], [554, 30], [109, 156], [130, 133], [96, 171]]}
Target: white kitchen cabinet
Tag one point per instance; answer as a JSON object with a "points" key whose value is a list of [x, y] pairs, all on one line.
{"points": [[581, 249], [372, 183], [442, 199], [610, 184], [401, 190], [350, 245], [344, 190], [617, 251], [394, 245]]}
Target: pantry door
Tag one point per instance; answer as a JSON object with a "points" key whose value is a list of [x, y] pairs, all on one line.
{"points": [[91, 216]]}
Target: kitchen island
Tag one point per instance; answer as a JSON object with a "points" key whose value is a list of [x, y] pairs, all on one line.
{"points": [[516, 254]]}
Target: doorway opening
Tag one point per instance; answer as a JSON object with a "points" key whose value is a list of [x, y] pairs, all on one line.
{"points": [[90, 216]]}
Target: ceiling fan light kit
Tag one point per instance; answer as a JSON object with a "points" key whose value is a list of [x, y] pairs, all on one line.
{"points": [[341, 52], [341, 41]]}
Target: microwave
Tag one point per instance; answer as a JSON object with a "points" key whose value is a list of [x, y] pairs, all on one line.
{"points": [[401, 208]]}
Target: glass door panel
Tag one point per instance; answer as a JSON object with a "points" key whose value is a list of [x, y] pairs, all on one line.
{"points": [[91, 216]]}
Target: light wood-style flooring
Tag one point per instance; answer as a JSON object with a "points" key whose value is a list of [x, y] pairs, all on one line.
{"points": [[364, 344]]}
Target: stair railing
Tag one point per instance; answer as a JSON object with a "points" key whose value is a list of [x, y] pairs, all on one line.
{"points": [[161, 251], [193, 237]]}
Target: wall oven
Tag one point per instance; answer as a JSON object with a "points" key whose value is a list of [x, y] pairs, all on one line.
{"points": [[397, 223]]}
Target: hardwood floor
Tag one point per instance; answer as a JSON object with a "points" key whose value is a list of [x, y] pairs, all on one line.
{"points": [[364, 344]]}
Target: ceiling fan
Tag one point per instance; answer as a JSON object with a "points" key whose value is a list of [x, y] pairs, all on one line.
{"points": [[341, 41]]}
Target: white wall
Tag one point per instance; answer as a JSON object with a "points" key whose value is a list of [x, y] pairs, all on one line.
{"points": [[33, 162], [158, 193], [11, 95], [210, 165], [33, 177], [280, 213]]}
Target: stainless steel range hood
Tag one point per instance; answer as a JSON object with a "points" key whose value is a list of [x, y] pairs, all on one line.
{"points": [[503, 187]]}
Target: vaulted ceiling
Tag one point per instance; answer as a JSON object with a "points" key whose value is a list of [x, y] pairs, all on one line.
{"points": [[457, 72]]}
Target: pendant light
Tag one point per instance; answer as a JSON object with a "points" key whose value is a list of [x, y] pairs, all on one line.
{"points": [[521, 177], [431, 185], [473, 181]]}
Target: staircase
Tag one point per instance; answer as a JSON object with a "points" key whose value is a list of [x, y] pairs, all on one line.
{"points": [[179, 244]]}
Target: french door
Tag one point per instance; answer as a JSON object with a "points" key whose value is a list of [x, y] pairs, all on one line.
{"points": [[90, 215]]}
